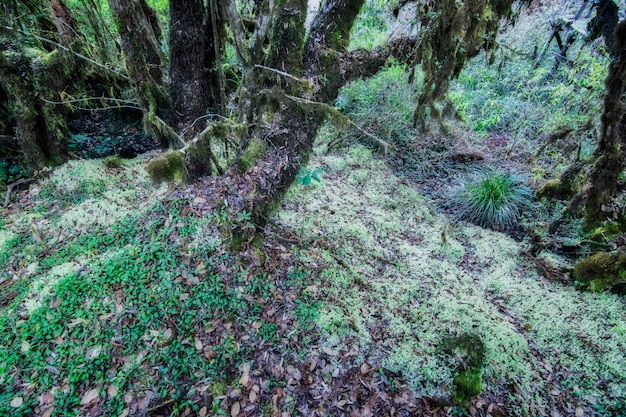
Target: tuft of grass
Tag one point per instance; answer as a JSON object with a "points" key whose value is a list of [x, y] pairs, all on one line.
{"points": [[492, 199]]}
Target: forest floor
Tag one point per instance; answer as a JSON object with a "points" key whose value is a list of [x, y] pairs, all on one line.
{"points": [[119, 298], [364, 297]]}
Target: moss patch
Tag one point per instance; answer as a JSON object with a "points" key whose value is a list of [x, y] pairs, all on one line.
{"points": [[601, 271], [168, 167], [255, 149]]}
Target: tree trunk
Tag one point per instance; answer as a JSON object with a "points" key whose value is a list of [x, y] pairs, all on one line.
{"points": [[194, 79], [40, 146], [140, 33], [610, 155]]}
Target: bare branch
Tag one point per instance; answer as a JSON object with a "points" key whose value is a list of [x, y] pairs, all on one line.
{"points": [[66, 49], [284, 74], [336, 114]]}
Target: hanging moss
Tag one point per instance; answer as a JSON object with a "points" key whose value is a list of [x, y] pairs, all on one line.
{"points": [[451, 33], [601, 271], [168, 167]]}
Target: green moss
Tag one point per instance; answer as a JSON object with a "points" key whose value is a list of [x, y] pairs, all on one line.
{"points": [[168, 167], [550, 188], [253, 152], [468, 384], [601, 271], [469, 351], [606, 231], [113, 162]]}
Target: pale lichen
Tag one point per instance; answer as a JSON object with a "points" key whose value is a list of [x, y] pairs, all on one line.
{"points": [[369, 227], [42, 287]]}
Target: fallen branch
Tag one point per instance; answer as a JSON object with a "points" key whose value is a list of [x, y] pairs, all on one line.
{"points": [[11, 186]]}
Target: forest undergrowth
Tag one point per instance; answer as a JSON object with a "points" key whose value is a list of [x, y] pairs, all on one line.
{"points": [[365, 294]]}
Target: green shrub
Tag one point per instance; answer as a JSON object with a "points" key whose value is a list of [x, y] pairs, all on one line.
{"points": [[492, 199]]}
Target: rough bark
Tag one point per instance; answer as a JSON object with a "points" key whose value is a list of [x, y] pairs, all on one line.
{"points": [[64, 22], [609, 158], [140, 34], [194, 81], [295, 126], [40, 146]]}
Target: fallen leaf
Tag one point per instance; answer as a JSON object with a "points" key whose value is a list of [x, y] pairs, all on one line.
{"points": [[17, 402], [234, 411], [124, 412], [89, 396], [112, 391], [330, 351], [579, 412], [203, 412], [252, 397], [25, 346], [47, 412], [31, 268], [245, 378], [46, 398], [364, 368], [198, 344]]}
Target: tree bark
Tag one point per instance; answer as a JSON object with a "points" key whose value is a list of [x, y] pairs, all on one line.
{"points": [[194, 81], [610, 155], [40, 146], [140, 34]]}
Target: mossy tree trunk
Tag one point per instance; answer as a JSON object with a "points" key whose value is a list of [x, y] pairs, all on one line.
{"points": [[140, 34], [289, 82], [33, 80], [610, 155], [40, 145], [451, 32], [609, 158]]}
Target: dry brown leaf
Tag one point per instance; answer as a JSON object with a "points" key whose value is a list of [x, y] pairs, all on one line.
{"points": [[252, 397], [579, 412], [203, 411], [46, 398], [364, 368], [17, 402], [25, 347], [124, 412], [234, 411], [89, 396], [245, 378], [47, 412]]}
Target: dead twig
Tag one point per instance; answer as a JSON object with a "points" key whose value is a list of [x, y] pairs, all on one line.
{"points": [[11, 186]]}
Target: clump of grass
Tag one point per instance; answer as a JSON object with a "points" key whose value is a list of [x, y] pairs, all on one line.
{"points": [[492, 199]]}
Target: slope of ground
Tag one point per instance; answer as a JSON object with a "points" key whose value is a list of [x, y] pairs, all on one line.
{"points": [[398, 280], [123, 299]]}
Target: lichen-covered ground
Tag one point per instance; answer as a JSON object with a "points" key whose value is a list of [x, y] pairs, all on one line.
{"points": [[397, 279]]}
